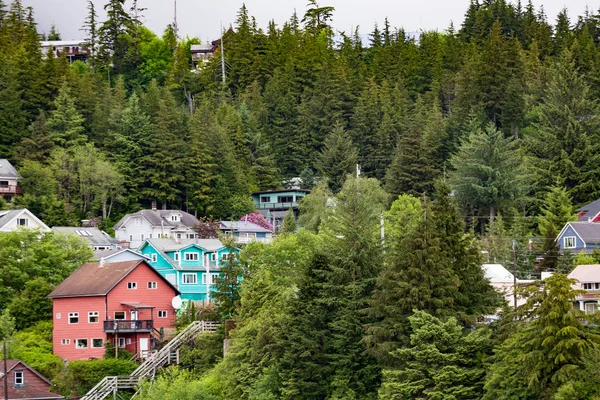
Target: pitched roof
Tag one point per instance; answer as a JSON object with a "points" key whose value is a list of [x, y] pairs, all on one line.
{"points": [[496, 273], [586, 273], [8, 215], [591, 210], [107, 254], [174, 245], [160, 218], [98, 278], [92, 234], [587, 231], [282, 191], [7, 170], [242, 226], [27, 392]]}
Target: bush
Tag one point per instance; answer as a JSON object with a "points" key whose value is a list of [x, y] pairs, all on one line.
{"points": [[80, 376]]}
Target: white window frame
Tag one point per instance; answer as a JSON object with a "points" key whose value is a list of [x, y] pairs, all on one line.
{"points": [[594, 308], [152, 285], [128, 340], [131, 285], [19, 377], [142, 237], [73, 315], [213, 278], [153, 257], [204, 275], [213, 256], [184, 276], [92, 314], [121, 343], [22, 221], [191, 256], [176, 256], [162, 314], [78, 344], [65, 341], [101, 343], [570, 242]]}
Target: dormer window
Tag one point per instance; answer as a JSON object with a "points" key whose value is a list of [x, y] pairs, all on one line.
{"points": [[22, 221], [569, 242], [591, 286], [175, 217]]}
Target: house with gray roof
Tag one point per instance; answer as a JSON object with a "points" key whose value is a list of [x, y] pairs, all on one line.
{"points": [[22, 218], [579, 237], [134, 228], [98, 240], [9, 181], [590, 212], [588, 282], [246, 232]]}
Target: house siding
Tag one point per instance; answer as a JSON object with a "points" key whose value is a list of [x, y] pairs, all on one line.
{"points": [[30, 380], [83, 330]]}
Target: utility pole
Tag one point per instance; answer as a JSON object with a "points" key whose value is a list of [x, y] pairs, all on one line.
{"points": [[514, 273], [5, 371], [175, 29], [357, 170]]}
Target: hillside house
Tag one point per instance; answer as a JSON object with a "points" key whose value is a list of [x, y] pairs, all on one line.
{"points": [[192, 266], [25, 383], [588, 279], [22, 218], [246, 232], [579, 237], [504, 282], [74, 50], [202, 53], [98, 240], [127, 303], [274, 204], [134, 228], [9, 181], [590, 212]]}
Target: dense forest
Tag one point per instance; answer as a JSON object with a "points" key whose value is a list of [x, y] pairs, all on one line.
{"points": [[481, 137]]}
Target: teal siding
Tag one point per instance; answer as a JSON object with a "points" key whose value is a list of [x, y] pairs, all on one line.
{"points": [[161, 262], [191, 252]]}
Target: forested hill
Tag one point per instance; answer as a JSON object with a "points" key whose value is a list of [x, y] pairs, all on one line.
{"points": [[135, 124]]}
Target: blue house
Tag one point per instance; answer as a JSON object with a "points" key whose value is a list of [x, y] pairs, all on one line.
{"points": [[274, 204], [579, 237], [192, 266]]}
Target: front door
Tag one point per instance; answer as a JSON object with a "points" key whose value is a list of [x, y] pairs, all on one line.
{"points": [[144, 347], [134, 317]]}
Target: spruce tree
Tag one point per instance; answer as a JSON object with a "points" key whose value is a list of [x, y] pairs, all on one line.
{"points": [[65, 123], [289, 223], [338, 158]]}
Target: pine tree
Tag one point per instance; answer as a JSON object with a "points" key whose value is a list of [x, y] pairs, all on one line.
{"points": [[338, 158], [65, 123], [556, 211], [90, 27], [289, 223]]}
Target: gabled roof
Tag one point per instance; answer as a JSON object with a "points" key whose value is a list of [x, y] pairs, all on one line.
{"points": [[242, 226], [111, 253], [591, 210], [496, 273], [160, 218], [92, 234], [588, 232], [586, 273], [174, 245], [7, 170], [7, 216], [98, 279], [27, 392]]}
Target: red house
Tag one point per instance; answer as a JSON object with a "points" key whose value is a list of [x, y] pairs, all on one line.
{"points": [[25, 382], [127, 303]]}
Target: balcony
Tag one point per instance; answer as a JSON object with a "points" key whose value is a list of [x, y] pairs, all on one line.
{"points": [[277, 206], [128, 326], [10, 189]]}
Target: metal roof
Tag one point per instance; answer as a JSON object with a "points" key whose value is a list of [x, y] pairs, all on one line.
{"points": [[242, 226], [588, 232], [92, 234], [174, 245], [7, 170], [161, 218]]}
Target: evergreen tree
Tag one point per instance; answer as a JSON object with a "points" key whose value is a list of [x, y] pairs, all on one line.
{"points": [[65, 123], [556, 211], [338, 158], [90, 27], [289, 223]]}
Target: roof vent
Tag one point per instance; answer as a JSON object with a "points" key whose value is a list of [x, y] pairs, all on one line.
{"points": [[153, 206]]}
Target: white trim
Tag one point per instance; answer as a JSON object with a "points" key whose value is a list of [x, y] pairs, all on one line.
{"points": [[574, 238], [101, 343], [574, 230], [164, 314], [196, 255], [152, 285], [82, 347], [73, 314], [93, 314], [189, 274], [43, 227]]}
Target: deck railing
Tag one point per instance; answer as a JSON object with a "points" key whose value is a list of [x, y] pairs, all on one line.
{"points": [[126, 326]]}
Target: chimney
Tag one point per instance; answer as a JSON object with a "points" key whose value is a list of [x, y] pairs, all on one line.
{"points": [[86, 223], [101, 264], [153, 206]]}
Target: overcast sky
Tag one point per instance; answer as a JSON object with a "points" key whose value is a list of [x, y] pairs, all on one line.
{"points": [[201, 19]]}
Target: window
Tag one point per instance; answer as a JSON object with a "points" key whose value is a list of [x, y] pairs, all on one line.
{"points": [[119, 314], [191, 236], [97, 343], [226, 256], [298, 198], [3, 183], [65, 341], [150, 236], [213, 278], [190, 256], [19, 377], [131, 238], [121, 342], [175, 218], [142, 237], [81, 343], [285, 199], [179, 236], [188, 279], [265, 199], [128, 340], [138, 221], [152, 285], [73, 318], [569, 242], [591, 308], [22, 221], [176, 255], [213, 256], [162, 314], [588, 286], [153, 257], [93, 317], [132, 285]]}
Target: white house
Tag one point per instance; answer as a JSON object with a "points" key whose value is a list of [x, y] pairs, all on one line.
{"points": [[155, 224], [588, 279], [11, 220], [246, 232], [9, 177]]}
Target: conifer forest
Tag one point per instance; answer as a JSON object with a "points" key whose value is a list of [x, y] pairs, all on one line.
{"points": [[475, 145]]}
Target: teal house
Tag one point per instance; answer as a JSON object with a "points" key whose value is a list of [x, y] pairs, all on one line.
{"points": [[274, 204], [191, 265]]}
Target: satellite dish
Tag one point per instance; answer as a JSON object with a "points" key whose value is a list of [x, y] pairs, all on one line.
{"points": [[176, 302]]}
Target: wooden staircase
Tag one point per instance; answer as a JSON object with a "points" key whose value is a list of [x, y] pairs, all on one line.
{"points": [[169, 354]]}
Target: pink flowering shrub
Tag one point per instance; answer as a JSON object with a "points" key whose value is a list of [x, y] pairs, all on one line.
{"points": [[258, 219]]}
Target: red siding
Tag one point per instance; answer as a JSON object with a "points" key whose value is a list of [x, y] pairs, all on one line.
{"points": [[30, 381], [82, 330], [160, 298]]}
